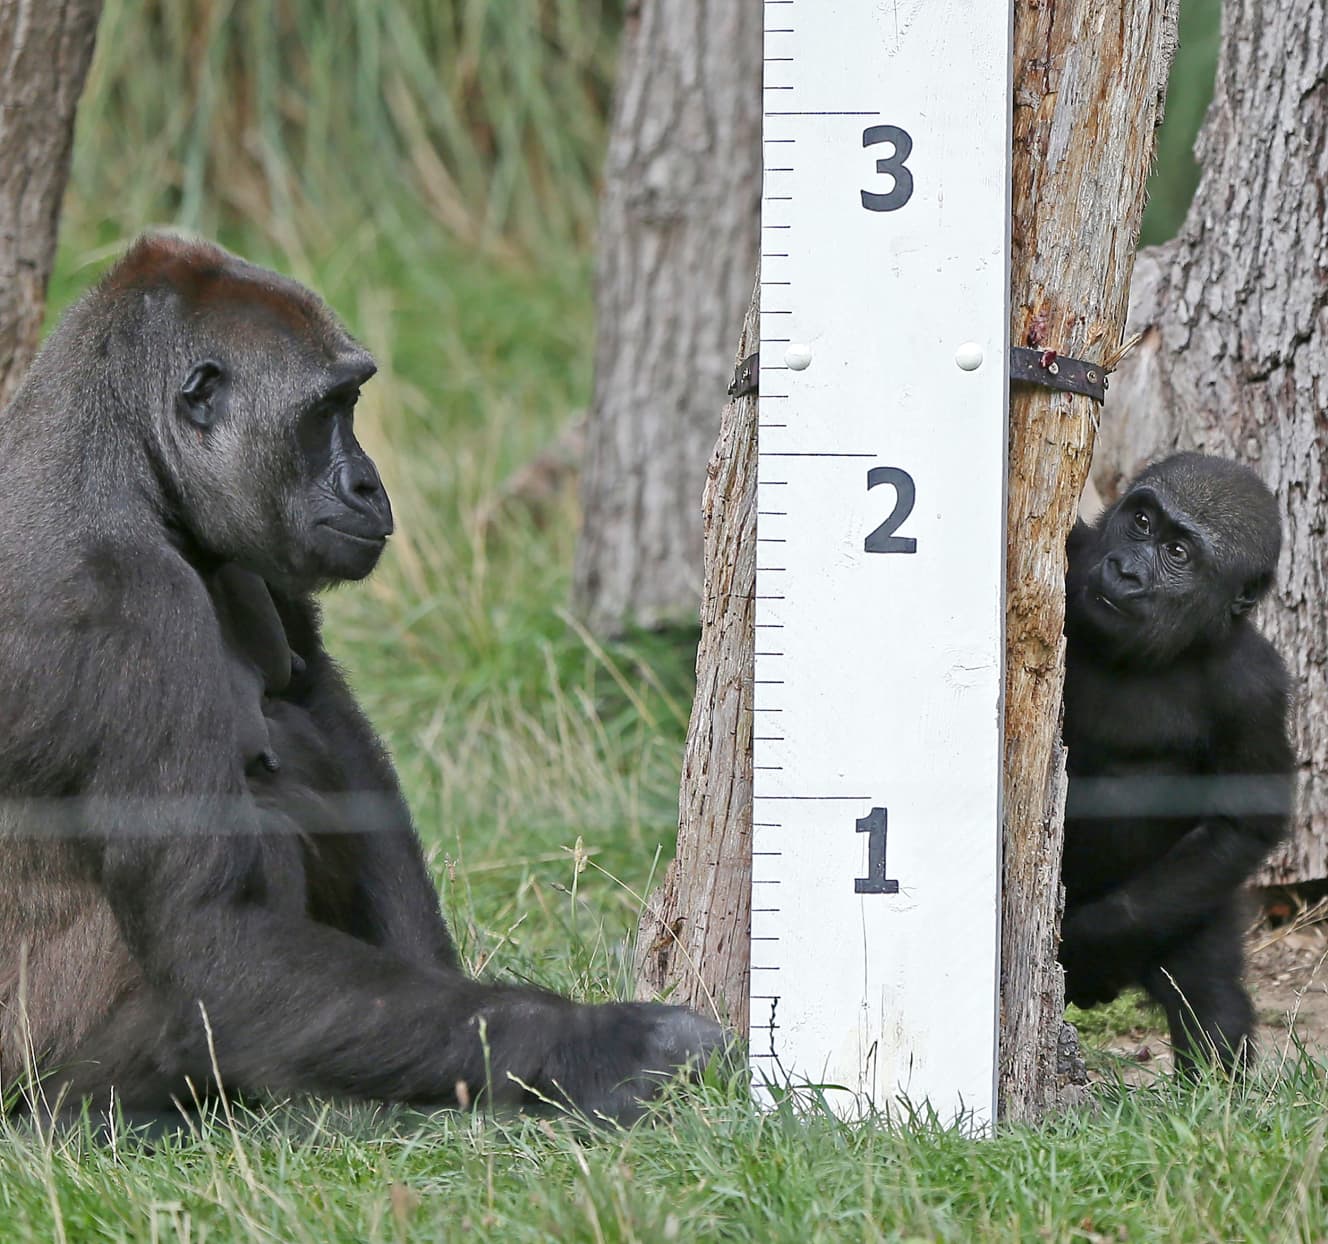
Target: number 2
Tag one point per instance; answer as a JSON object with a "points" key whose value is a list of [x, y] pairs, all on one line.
{"points": [[883, 538]]}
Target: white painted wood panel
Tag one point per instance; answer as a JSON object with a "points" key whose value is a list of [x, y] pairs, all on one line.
{"points": [[879, 674]]}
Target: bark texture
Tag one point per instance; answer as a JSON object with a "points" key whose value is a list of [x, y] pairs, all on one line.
{"points": [[679, 234], [45, 49], [693, 943], [1089, 82], [1234, 358]]}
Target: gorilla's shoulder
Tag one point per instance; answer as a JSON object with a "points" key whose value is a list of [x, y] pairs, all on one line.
{"points": [[1254, 683], [97, 588]]}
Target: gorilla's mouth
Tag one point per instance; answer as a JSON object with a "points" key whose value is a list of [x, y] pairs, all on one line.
{"points": [[371, 541], [1109, 604]]}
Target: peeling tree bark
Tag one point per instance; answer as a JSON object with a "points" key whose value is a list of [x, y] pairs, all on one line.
{"points": [[678, 240], [1089, 80], [1234, 358], [45, 49], [693, 941]]}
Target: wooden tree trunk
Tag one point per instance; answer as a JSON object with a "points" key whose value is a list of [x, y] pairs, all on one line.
{"points": [[1089, 82], [1234, 358], [45, 49], [678, 241], [693, 941]]}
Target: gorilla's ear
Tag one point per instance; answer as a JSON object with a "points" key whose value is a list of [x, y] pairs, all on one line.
{"points": [[1250, 595], [197, 398]]}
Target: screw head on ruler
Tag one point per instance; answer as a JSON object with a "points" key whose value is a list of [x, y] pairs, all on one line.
{"points": [[798, 356], [969, 356]]}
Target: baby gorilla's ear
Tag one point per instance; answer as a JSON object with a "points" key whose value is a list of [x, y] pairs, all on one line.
{"points": [[1250, 595], [201, 396]]}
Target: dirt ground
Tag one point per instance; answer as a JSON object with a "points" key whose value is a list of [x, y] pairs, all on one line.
{"points": [[1287, 975]]}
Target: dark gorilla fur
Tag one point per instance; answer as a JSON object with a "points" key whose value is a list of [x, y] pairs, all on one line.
{"points": [[1181, 772], [198, 826]]}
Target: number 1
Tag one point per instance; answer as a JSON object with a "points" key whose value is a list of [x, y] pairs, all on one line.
{"points": [[875, 882]]}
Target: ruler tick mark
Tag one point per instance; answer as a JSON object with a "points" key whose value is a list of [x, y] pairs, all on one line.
{"points": [[816, 798]]}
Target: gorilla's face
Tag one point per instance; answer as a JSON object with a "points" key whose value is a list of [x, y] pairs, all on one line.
{"points": [[348, 516], [269, 472], [1151, 584], [1167, 573]]}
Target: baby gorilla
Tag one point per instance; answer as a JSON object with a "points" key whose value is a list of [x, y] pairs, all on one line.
{"points": [[1179, 762], [205, 858]]}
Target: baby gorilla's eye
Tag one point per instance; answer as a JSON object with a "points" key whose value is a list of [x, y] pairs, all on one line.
{"points": [[1141, 522], [1178, 552]]}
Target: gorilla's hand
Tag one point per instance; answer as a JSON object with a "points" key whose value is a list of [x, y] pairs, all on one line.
{"points": [[1097, 966], [624, 1054]]}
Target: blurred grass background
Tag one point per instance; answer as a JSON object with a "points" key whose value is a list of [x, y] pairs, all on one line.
{"points": [[430, 167]]}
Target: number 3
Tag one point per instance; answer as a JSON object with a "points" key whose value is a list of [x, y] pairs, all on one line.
{"points": [[902, 190]]}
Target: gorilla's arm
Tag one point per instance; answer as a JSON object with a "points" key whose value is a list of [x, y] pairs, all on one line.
{"points": [[213, 910], [396, 903], [1249, 796]]}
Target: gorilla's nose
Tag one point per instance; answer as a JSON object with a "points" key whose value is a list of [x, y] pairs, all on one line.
{"points": [[362, 491], [1120, 578]]}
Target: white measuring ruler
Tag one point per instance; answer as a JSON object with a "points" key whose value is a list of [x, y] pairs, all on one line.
{"points": [[880, 597]]}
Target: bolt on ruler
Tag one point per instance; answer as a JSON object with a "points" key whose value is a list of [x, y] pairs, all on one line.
{"points": [[880, 555]]}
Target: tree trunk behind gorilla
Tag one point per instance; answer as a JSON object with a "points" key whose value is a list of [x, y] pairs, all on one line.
{"points": [[678, 241], [45, 50], [1234, 358]]}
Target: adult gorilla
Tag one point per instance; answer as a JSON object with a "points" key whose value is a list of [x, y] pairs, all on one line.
{"points": [[198, 827], [1179, 762]]}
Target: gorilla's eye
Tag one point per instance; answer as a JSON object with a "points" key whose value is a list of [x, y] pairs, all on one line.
{"points": [[1141, 522], [1178, 552]]}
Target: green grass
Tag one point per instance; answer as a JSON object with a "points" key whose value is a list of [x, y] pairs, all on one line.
{"points": [[542, 768], [1166, 1164]]}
